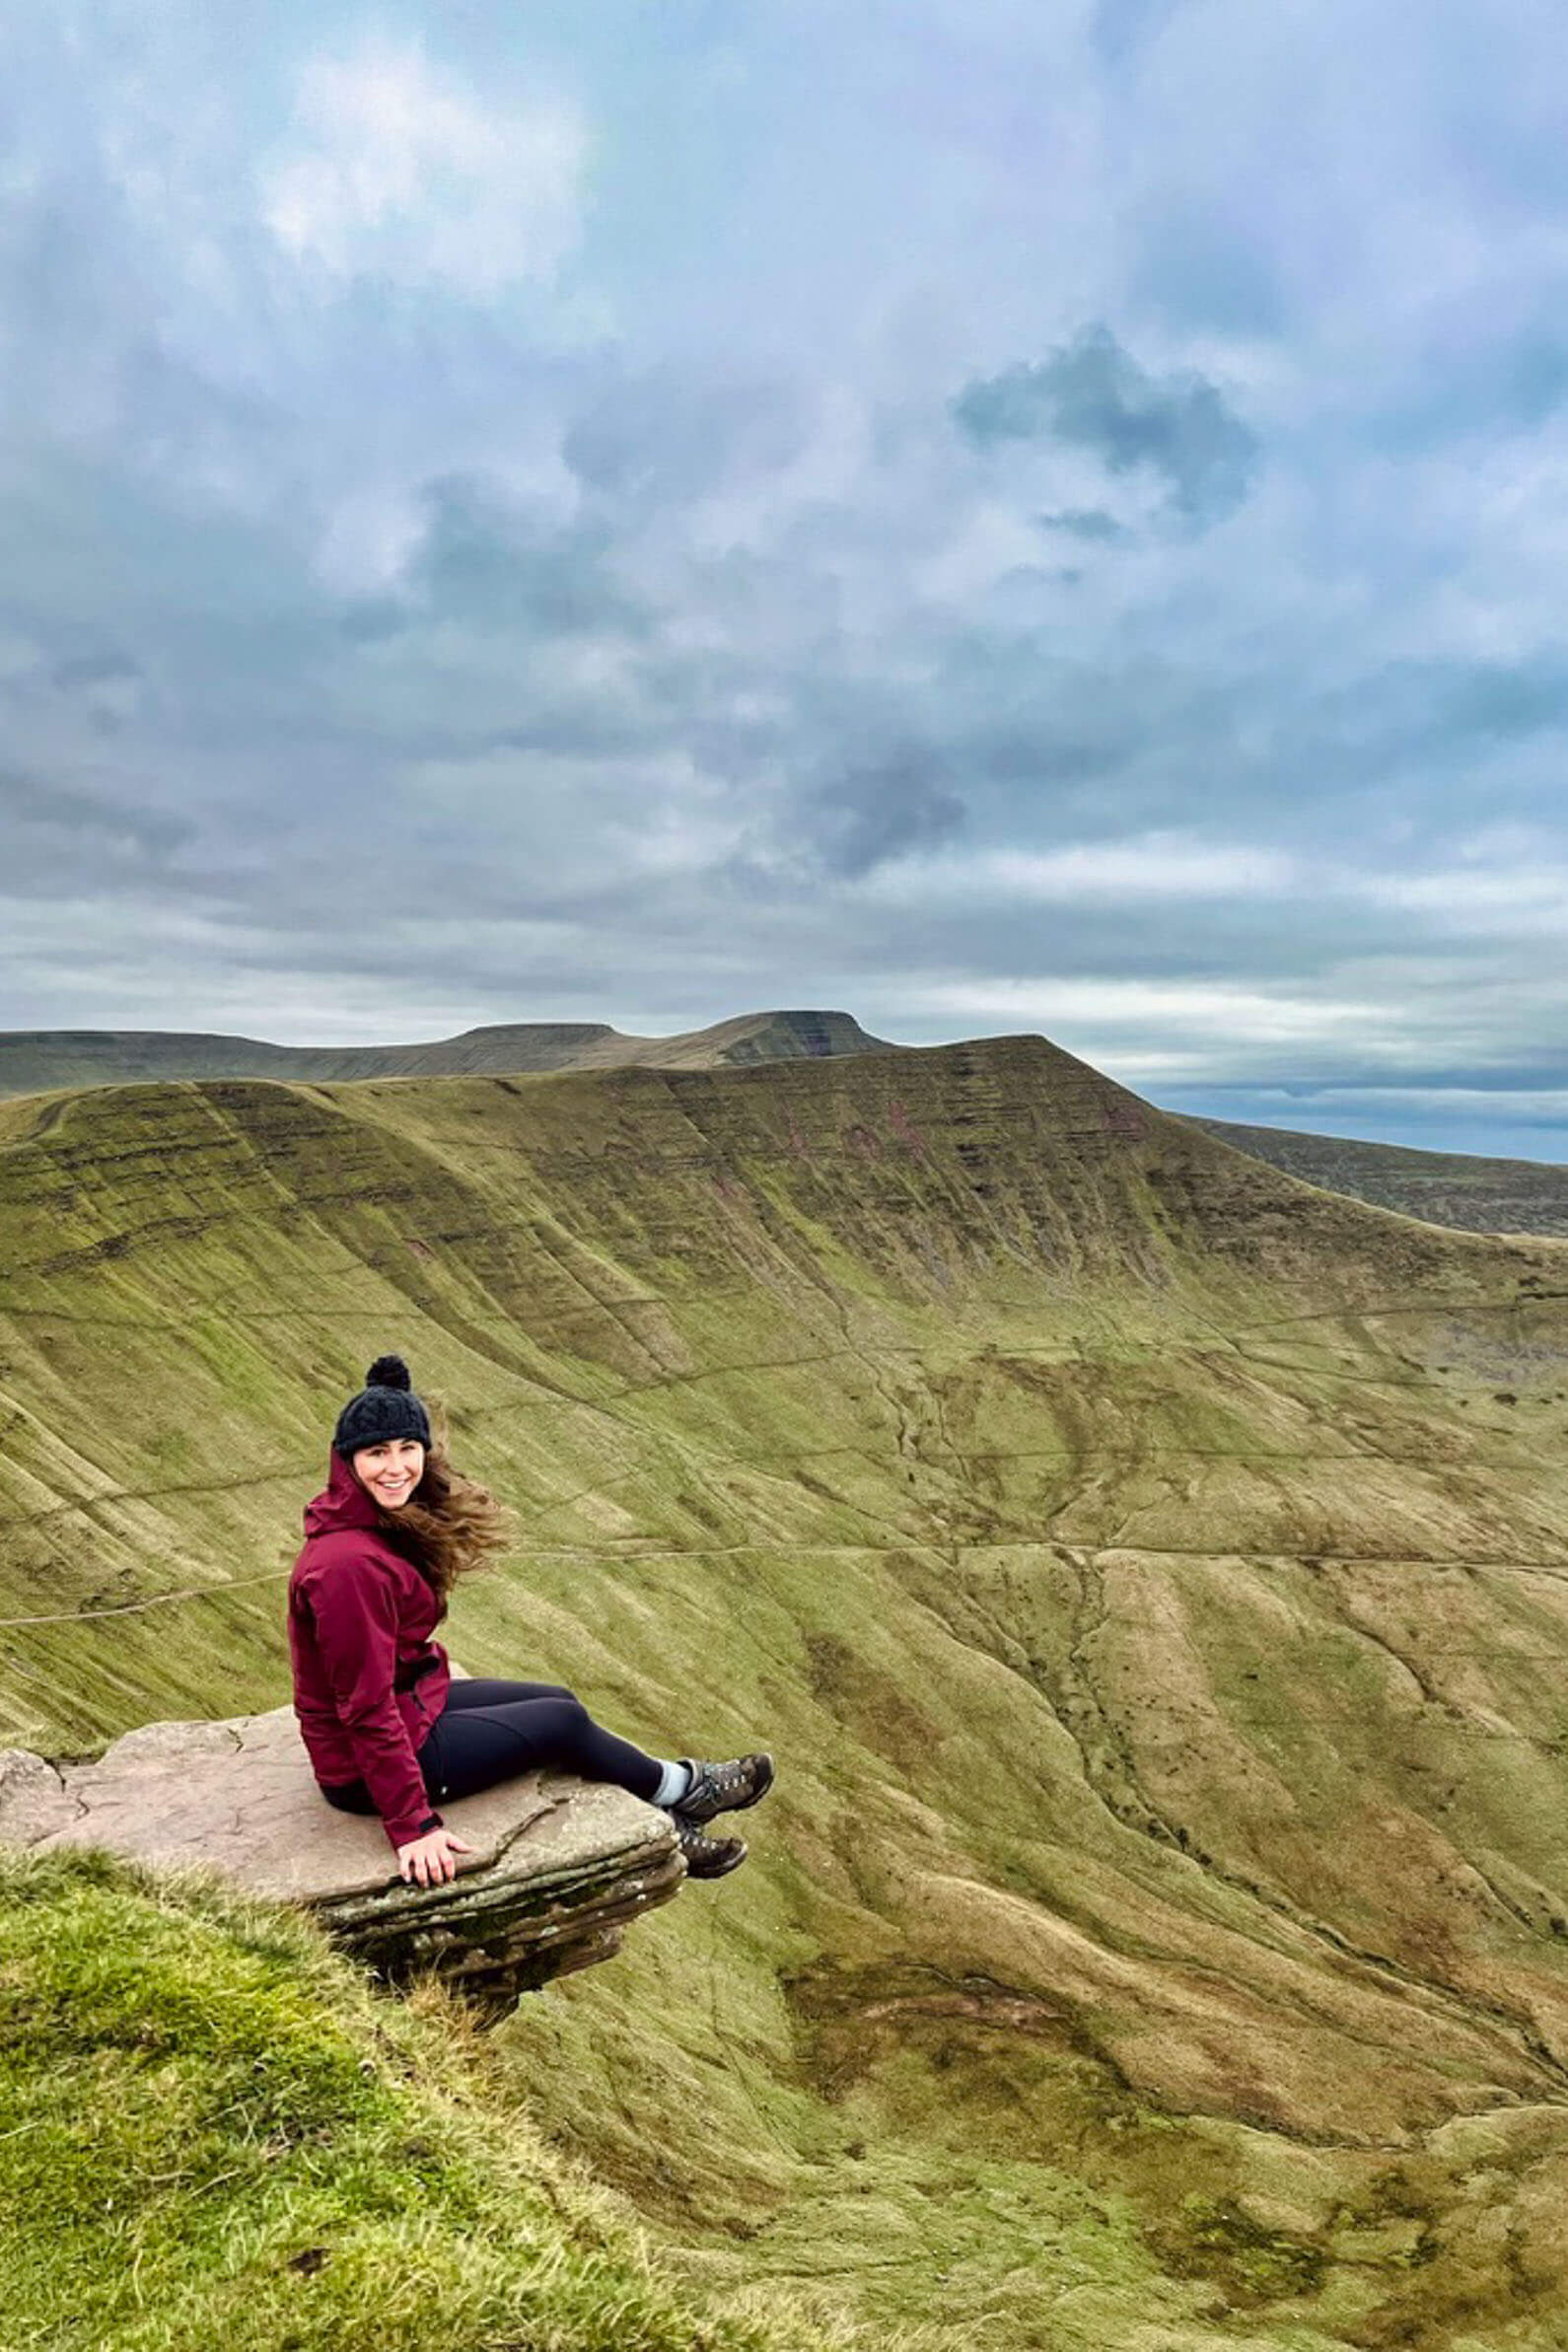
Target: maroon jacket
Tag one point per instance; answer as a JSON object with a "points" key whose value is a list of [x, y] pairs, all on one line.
{"points": [[368, 1680]]}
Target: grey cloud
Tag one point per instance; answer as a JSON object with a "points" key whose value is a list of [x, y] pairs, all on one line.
{"points": [[1092, 395], [108, 687], [902, 802], [667, 438], [1476, 379], [1435, 713], [54, 828], [1202, 263], [95, 669], [659, 727], [1503, 699], [1058, 735], [371, 620], [482, 560], [1117, 740], [1095, 523], [57, 806], [1063, 751]]}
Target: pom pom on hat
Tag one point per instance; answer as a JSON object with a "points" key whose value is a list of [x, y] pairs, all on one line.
{"points": [[385, 1408]]}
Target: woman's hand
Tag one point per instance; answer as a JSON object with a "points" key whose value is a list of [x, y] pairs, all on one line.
{"points": [[432, 1859]]}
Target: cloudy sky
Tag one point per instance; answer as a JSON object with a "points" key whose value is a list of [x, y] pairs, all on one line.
{"points": [[992, 515]]}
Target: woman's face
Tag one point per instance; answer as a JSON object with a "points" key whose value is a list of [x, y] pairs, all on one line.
{"points": [[391, 1471]]}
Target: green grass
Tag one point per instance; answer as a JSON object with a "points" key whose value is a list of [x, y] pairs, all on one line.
{"points": [[1146, 1570], [210, 2133]]}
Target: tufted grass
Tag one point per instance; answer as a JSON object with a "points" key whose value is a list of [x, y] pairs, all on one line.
{"points": [[212, 2133]]}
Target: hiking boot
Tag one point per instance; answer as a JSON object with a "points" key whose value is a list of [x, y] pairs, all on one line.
{"points": [[707, 1857], [723, 1788]]}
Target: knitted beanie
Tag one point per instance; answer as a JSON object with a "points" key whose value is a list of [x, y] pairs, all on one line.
{"points": [[386, 1408]]}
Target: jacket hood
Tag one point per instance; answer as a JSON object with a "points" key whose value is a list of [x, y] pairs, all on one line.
{"points": [[342, 1503]]}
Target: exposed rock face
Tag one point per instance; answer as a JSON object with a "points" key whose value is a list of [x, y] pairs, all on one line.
{"points": [[558, 1866]]}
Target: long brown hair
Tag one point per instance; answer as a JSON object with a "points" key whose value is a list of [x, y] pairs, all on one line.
{"points": [[450, 1524]]}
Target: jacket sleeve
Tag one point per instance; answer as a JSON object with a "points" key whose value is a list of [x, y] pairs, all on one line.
{"points": [[356, 1634]]}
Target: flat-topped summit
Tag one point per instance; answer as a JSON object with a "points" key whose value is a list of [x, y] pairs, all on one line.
{"points": [[38, 1061]]}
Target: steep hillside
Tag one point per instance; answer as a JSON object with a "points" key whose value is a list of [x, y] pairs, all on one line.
{"points": [[1460, 1190], [214, 2134], [1150, 1572], [38, 1061]]}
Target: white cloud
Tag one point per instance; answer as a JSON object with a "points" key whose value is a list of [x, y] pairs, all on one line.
{"points": [[327, 492], [1156, 865], [396, 170], [1509, 882], [1111, 1009], [373, 532]]}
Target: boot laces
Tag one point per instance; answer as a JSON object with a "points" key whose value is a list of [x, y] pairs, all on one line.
{"points": [[694, 1839]]}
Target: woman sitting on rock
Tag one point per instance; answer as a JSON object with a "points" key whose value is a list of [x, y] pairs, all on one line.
{"points": [[386, 1728]]}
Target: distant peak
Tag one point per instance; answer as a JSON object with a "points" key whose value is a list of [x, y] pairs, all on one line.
{"points": [[787, 1033], [590, 1032], [38, 1061]]}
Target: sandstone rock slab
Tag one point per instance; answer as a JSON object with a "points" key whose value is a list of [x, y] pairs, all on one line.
{"points": [[559, 1865], [34, 1804]]}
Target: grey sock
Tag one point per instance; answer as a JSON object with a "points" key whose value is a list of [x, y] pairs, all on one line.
{"points": [[676, 1781]]}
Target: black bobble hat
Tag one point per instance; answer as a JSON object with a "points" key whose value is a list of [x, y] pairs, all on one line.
{"points": [[386, 1408]]}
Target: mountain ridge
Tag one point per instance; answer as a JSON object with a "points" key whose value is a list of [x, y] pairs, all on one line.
{"points": [[38, 1061], [1148, 1569], [1469, 1191]]}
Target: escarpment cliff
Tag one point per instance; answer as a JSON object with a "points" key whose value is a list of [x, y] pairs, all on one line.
{"points": [[1149, 1571]]}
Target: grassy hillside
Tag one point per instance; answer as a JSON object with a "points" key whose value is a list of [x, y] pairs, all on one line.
{"points": [[1149, 1571], [1460, 1190], [214, 2134], [35, 1061]]}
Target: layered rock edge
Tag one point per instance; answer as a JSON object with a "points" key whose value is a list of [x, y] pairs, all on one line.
{"points": [[559, 1866]]}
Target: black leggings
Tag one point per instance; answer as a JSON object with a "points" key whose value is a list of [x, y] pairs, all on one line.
{"points": [[492, 1731], [488, 1731]]}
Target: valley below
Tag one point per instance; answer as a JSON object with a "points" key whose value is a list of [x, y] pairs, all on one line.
{"points": [[1150, 1573]]}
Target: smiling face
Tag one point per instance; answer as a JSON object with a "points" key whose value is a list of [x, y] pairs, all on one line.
{"points": [[391, 1471]]}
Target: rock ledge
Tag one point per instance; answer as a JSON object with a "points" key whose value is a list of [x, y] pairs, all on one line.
{"points": [[559, 1865]]}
